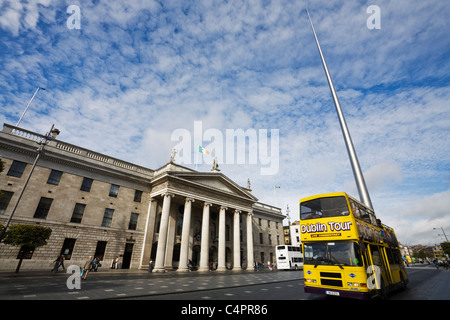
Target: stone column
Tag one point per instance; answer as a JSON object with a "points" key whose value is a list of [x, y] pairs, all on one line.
{"points": [[162, 238], [204, 249], [236, 242], [148, 237], [250, 241], [184, 249], [222, 241]]}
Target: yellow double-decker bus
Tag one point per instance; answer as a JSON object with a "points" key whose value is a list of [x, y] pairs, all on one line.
{"points": [[347, 251]]}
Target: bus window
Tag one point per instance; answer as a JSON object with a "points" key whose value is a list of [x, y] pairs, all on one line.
{"points": [[390, 256], [375, 255], [355, 208], [324, 207], [343, 253]]}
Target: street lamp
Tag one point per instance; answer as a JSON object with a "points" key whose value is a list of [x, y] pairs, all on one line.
{"points": [[442, 233], [47, 138]]}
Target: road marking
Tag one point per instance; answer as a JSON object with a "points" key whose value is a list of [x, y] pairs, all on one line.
{"points": [[30, 296]]}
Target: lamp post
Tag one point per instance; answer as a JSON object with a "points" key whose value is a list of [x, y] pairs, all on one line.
{"points": [[47, 138], [446, 239]]}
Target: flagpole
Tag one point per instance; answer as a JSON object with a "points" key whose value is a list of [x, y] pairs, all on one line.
{"points": [[357, 173], [196, 159], [29, 103]]}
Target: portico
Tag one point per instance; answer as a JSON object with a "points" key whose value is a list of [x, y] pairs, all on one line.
{"points": [[201, 217]]}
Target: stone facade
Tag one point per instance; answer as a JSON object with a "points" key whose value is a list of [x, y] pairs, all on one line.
{"points": [[168, 215]]}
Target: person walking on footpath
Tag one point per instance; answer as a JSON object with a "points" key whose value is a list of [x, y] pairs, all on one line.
{"points": [[150, 266], [86, 268], [63, 258], [58, 262]]}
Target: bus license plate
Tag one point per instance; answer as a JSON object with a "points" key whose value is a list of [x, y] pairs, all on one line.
{"points": [[332, 293]]}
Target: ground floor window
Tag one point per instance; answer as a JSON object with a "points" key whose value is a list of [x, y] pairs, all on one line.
{"points": [[67, 248]]}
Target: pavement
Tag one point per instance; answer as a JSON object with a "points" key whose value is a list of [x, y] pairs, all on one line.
{"points": [[121, 284], [125, 272]]}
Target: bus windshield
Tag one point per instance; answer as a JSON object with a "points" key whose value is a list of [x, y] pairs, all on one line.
{"points": [[324, 208], [343, 253]]}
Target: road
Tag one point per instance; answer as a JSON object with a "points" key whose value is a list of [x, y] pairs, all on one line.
{"points": [[426, 283]]}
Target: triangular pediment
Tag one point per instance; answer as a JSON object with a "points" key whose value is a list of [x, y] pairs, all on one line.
{"points": [[216, 181]]}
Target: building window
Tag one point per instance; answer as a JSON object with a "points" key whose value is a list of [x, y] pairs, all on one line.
{"points": [[133, 221], [5, 198], [107, 217], [137, 196], [17, 168], [54, 177], [114, 191], [67, 248], [43, 208], [213, 231], [158, 222], [270, 239], [259, 222], [86, 185], [261, 238], [78, 212], [100, 250], [25, 252], [179, 226]]}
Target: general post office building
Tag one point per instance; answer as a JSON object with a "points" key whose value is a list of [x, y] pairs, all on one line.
{"points": [[97, 205]]}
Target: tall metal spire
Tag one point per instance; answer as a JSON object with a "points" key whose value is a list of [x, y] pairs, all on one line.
{"points": [[359, 178]]}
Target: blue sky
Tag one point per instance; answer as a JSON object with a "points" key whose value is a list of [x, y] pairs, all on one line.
{"points": [[135, 72]]}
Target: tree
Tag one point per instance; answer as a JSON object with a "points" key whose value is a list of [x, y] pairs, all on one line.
{"points": [[28, 237], [446, 247]]}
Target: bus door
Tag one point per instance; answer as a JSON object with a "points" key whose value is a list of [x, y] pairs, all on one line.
{"points": [[387, 265], [376, 260]]}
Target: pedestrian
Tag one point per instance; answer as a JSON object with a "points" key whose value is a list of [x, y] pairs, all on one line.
{"points": [[63, 258], [86, 268], [58, 262], [150, 266], [95, 264], [269, 266], [189, 264]]}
